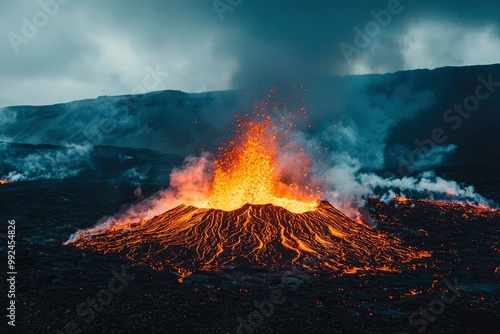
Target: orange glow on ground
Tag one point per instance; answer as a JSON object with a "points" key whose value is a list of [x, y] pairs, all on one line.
{"points": [[4, 181], [401, 199]]}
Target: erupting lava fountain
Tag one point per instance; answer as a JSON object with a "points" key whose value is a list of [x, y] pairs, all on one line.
{"points": [[252, 217]]}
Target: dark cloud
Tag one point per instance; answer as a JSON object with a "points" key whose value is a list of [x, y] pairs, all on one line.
{"points": [[91, 48]]}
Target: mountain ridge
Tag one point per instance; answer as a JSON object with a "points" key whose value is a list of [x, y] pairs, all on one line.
{"points": [[402, 106]]}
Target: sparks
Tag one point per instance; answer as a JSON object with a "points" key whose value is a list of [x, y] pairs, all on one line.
{"points": [[247, 173]]}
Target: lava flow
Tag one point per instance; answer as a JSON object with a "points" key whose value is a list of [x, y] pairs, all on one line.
{"points": [[252, 217], [188, 239]]}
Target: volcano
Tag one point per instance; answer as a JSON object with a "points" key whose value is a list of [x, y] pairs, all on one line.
{"points": [[189, 239], [283, 227]]}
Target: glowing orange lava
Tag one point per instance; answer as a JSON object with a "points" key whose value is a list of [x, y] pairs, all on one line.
{"points": [[401, 199], [247, 172], [260, 210], [4, 181], [189, 239]]}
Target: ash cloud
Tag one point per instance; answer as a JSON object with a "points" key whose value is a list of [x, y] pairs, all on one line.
{"points": [[298, 42], [106, 47]]}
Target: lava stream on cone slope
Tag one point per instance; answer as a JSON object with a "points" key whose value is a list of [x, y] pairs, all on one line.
{"points": [[189, 239]]}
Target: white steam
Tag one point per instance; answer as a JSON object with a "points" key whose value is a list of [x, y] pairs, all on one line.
{"points": [[348, 188], [45, 164]]}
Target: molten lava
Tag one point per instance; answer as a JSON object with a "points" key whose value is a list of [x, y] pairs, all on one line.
{"points": [[4, 181], [189, 239], [256, 212], [248, 173]]}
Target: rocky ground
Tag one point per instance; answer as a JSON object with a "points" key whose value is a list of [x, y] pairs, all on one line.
{"points": [[61, 289]]}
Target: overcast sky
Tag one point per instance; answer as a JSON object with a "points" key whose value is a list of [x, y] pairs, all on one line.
{"points": [[83, 49]]}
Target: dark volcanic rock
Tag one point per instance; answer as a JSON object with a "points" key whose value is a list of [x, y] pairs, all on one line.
{"points": [[53, 280]]}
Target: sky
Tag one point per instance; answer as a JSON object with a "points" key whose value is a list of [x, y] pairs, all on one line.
{"points": [[55, 51]]}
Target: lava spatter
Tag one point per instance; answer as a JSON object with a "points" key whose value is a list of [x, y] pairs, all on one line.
{"points": [[247, 172]]}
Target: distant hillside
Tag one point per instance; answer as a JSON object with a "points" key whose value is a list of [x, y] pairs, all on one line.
{"points": [[374, 118], [24, 162], [167, 121]]}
